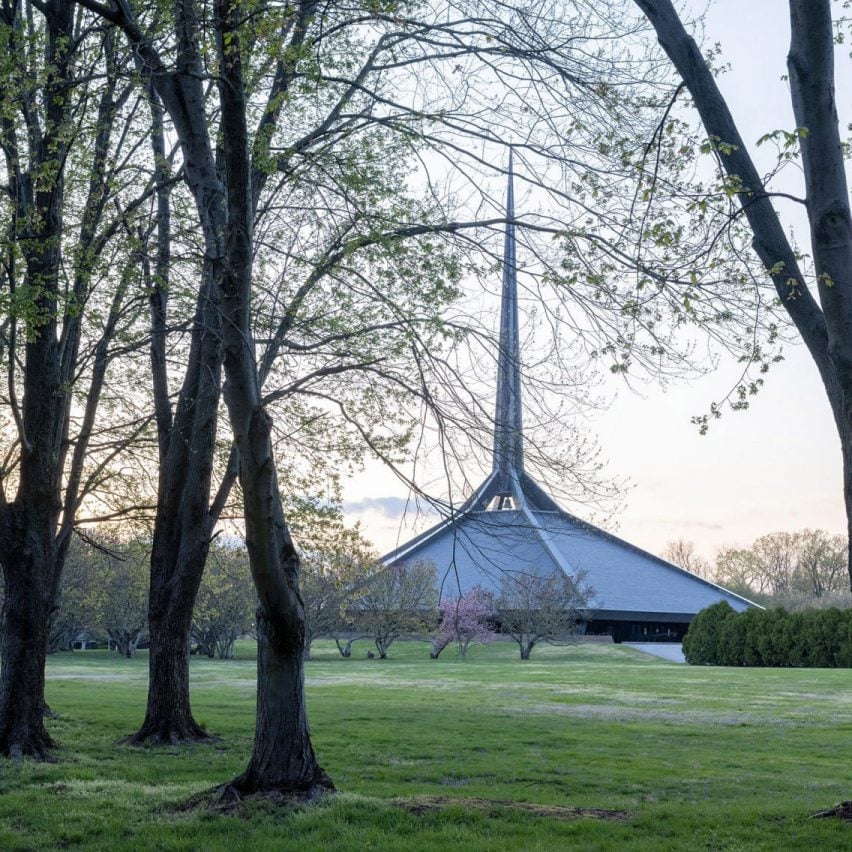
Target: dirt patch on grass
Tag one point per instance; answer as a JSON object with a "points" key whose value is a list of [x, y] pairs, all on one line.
{"points": [[429, 804]]}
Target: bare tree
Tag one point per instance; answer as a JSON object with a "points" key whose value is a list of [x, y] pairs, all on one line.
{"points": [[401, 600], [682, 553], [532, 608]]}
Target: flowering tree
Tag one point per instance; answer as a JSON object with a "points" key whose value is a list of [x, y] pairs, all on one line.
{"points": [[465, 621]]}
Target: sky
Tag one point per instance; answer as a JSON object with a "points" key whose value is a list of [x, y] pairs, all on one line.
{"points": [[773, 467]]}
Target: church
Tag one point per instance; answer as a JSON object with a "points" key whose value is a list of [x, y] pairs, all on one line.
{"points": [[510, 524]]}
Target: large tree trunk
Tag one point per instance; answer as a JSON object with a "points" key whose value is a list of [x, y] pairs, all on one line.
{"points": [[168, 715], [28, 524], [26, 616], [177, 564], [283, 758]]}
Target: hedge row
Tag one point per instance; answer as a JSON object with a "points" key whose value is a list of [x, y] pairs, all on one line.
{"points": [[819, 638]]}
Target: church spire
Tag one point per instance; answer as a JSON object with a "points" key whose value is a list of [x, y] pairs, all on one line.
{"points": [[508, 421]]}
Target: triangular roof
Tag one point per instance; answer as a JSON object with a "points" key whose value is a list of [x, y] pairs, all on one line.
{"points": [[510, 524]]}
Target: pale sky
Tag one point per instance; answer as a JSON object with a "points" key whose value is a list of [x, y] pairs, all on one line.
{"points": [[773, 467]]}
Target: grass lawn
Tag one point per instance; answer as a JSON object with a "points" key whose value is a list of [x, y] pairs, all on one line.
{"points": [[701, 758]]}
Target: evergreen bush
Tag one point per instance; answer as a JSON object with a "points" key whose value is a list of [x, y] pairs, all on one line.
{"points": [[819, 638]]}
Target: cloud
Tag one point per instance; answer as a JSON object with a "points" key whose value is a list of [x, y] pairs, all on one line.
{"points": [[390, 507]]}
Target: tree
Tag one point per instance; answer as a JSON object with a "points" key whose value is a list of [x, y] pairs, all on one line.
{"points": [[337, 568], [739, 570], [76, 607], [247, 126], [793, 569], [682, 553], [400, 600], [822, 563], [534, 608], [224, 608], [823, 320], [65, 108], [465, 621], [122, 596]]}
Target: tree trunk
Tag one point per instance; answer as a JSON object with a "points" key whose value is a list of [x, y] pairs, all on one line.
{"points": [[825, 326], [438, 645], [182, 530], [283, 758], [168, 714], [846, 447], [26, 612], [345, 650]]}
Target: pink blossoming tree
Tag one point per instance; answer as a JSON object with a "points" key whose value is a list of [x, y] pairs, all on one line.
{"points": [[465, 621]]}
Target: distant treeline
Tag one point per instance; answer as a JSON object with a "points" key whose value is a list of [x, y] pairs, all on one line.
{"points": [[819, 638]]}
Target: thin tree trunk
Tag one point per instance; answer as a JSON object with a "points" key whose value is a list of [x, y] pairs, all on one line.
{"points": [[283, 758], [846, 446]]}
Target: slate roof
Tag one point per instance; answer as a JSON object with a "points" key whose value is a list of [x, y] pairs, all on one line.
{"points": [[479, 545]]}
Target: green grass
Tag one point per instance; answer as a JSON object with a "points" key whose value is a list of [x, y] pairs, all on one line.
{"points": [[703, 758]]}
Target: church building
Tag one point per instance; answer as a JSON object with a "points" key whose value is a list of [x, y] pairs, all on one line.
{"points": [[510, 524]]}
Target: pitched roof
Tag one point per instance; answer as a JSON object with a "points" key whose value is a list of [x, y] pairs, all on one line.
{"points": [[480, 547]]}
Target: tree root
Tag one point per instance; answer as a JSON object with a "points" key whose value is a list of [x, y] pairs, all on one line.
{"points": [[170, 735], [842, 810], [236, 795], [38, 748]]}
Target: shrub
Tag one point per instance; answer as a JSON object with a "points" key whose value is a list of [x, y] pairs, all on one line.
{"points": [[820, 638], [701, 643]]}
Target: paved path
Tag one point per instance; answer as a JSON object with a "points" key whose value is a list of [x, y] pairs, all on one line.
{"points": [[672, 651]]}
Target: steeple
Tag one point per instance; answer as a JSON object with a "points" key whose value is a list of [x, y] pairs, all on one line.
{"points": [[508, 420]]}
